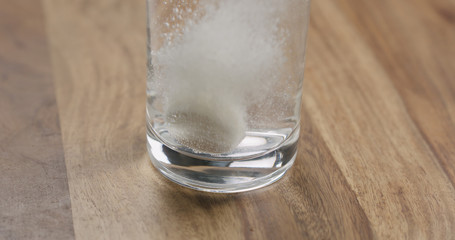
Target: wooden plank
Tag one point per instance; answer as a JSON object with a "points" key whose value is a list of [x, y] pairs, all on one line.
{"points": [[418, 53], [99, 68], [34, 196], [354, 100]]}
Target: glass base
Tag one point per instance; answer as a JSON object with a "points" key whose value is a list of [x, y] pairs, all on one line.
{"points": [[223, 176]]}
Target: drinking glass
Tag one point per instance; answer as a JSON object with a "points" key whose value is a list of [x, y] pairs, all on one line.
{"points": [[224, 86]]}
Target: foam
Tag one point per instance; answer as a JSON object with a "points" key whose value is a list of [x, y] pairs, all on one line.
{"points": [[213, 64]]}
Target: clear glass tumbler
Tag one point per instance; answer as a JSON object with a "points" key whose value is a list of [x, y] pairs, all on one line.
{"points": [[224, 88]]}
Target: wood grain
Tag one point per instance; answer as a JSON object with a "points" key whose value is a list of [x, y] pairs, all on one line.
{"points": [[376, 154], [420, 63], [34, 196], [375, 142]]}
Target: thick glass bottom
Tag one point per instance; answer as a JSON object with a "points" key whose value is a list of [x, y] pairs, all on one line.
{"points": [[223, 176]]}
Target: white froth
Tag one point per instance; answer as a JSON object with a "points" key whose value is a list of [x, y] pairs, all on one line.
{"points": [[214, 64]]}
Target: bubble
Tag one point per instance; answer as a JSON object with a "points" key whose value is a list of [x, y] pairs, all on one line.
{"points": [[213, 69]]}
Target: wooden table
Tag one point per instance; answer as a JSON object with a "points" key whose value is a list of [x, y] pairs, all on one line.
{"points": [[376, 156]]}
